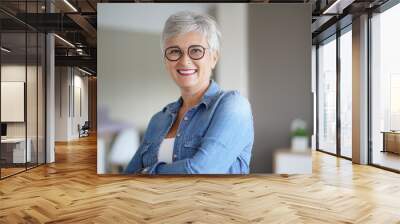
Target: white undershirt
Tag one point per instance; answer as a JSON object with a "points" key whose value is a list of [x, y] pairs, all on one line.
{"points": [[166, 150]]}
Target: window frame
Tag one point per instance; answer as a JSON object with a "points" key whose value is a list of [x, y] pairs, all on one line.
{"points": [[334, 37]]}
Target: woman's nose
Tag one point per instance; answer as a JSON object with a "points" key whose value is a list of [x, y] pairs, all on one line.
{"points": [[185, 59]]}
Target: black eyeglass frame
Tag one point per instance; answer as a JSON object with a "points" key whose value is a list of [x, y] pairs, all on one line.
{"points": [[204, 52]]}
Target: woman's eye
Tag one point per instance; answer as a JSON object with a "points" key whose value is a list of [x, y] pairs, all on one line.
{"points": [[173, 52], [196, 50]]}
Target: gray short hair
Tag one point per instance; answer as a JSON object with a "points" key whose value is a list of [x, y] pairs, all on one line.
{"points": [[186, 21]]}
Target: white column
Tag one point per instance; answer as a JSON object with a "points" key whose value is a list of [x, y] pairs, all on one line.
{"points": [[50, 99], [360, 90]]}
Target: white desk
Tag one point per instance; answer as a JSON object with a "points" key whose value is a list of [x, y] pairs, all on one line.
{"points": [[18, 145]]}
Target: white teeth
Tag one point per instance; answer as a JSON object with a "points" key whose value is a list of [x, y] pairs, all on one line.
{"points": [[185, 72]]}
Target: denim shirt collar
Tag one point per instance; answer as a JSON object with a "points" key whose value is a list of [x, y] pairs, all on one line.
{"points": [[207, 99]]}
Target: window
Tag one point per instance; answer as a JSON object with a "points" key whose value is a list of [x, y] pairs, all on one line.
{"points": [[385, 88], [346, 93], [22, 77], [327, 95]]}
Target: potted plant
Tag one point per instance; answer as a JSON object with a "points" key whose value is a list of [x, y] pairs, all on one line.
{"points": [[299, 135]]}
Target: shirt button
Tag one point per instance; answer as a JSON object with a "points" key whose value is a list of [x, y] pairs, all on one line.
{"points": [[175, 156], [185, 118], [178, 135]]}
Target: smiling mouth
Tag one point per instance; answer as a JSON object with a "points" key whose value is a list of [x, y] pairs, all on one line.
{"points": [[186, 72]]}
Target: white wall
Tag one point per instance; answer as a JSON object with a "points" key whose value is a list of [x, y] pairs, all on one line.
{"points": [[15, 72], [232, 19], [80, 104], [68, 82], [61, 103], [33, 126]]}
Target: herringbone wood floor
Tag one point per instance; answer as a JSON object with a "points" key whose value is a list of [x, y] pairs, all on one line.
{"points": [[69, 191]]}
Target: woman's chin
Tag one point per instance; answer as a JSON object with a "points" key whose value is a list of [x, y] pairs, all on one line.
{"points": [[187, 81], [186, 86]]}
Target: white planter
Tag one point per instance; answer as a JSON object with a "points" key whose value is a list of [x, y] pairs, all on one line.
{"points": [[299, 143]]}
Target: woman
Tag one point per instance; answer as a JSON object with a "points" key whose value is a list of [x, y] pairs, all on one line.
{"points": [[207, 130]]}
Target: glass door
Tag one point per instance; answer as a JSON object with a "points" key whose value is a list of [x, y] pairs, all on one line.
{"points": [[13, 103], [22, 77]]}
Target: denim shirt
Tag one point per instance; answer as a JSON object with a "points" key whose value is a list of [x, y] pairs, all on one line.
{"points": [[214, 137]]}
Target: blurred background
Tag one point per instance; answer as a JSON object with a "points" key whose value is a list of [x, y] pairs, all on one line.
{"points": [[266, 55]]}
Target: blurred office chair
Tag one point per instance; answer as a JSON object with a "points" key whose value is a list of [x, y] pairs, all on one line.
{"points": [[84, 130], [123, 148]]}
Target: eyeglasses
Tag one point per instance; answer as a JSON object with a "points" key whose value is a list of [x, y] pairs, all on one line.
{"points": [[195, 52]]}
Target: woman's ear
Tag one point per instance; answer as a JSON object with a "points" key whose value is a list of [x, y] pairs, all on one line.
{"points": [[214, 59]]}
